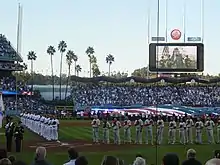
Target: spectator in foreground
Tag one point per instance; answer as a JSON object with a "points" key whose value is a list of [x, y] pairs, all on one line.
{"points": [[213, 161], [139, 160], [5, 161], [73, 155], [217, 154], [12, 159], [3, 154], [40, 157], [81, 161], [191, 158], [171, 159], [110, 160], [121, 162]]}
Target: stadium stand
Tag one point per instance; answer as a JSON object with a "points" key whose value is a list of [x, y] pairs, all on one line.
{"points": [[11, 61], [127, 95]]}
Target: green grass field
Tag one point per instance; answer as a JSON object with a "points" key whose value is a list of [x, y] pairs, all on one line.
{"points": [[151, 153]]}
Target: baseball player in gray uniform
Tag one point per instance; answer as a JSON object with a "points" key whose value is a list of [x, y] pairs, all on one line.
{"points": [[95, 129], [106, 127], [116, 125], [139, 127], [127, 130]]}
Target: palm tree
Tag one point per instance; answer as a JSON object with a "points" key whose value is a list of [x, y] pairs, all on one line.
{"points": [[95, 70], [51, 51], [62, 48], [109, 59], [69, 59], [78, 69], [90, 51], [32, 57], [75, 59]]}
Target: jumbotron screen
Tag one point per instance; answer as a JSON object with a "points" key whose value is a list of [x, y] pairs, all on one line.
{"points": [[176, 57]]}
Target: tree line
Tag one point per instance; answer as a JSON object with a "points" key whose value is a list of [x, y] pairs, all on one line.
{"points": [[63, 78]]}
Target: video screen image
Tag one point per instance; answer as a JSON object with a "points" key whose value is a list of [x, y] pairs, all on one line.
{"points": [[176, 57]]}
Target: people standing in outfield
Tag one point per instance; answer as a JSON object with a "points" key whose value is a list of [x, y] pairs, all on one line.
{"points": [[106, 127], [45, 126], [139, 127], [149, 123], [1, 118], [95, 129], [160, 128], [218, 130], [116, 125], [209, 124], [18, 135], [182, 131], [189, 125], [199, 126], [55, 126], [127, 131], [9, 133], [172, 131], [41, 125]]}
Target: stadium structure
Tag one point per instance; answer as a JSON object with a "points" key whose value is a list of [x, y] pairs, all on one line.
{"points": [[10, 60]]}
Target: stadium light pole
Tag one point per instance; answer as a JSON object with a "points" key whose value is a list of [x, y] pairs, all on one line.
{"points": [[148, 31], [184, 21], [19, 23], [166, 9], [202, 21], [158, 33]]}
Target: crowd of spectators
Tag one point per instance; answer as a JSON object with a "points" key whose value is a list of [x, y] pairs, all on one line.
{"points": [[25, 103], [94, 94], [5, 47], [11, 66], [9, 84], [76, 159]]}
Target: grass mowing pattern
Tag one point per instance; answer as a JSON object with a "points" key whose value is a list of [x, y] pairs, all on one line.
{"points": [[204, 152]]}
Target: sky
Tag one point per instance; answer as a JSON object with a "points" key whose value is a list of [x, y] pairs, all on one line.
{"points": [[117, 27]]}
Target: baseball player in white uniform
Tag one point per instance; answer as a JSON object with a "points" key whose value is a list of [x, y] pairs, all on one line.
{"points": [[199, 126], [139, 127], [172, 132], [182, 131], [218, 130], [209, 124], [160, 128], [189, 125], [149, 123]]}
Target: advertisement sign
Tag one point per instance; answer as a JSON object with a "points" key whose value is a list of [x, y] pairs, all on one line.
{"points": [[16, 93], [194, 39], [157, 38]]}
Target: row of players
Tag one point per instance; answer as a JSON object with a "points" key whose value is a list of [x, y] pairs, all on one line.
{"points": [[45, 126], [185, 129]]}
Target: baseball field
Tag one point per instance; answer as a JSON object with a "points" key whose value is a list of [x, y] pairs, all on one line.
{"points": [[79, 134]]}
